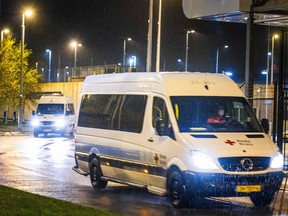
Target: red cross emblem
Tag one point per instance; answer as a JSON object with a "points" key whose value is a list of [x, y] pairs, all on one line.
{"points": [[156, 158], [229, 142]]}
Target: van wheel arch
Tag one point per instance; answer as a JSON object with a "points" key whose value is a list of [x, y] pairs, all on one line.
{"points": [[176, 187]]}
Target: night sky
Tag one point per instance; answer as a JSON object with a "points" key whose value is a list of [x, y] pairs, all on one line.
{"points": [[100, 25]]}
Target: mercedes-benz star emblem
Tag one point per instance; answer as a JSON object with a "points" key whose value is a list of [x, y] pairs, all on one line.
{"points": [[247, 164]]}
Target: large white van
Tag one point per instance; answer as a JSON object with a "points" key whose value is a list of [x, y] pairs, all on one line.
{"points": [[55, 114], [162, 131]]}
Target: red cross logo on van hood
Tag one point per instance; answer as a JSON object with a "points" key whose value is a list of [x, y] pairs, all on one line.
{"points": [[229, 142]]}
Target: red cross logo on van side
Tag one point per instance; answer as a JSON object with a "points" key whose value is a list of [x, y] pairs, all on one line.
{"points": [[229, 142], [156, 158]]}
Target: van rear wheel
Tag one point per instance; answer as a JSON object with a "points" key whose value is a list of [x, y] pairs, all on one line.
{"points": [[96, 174], [177, 190]]}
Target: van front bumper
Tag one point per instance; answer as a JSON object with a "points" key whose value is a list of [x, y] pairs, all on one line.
{"points": [[226, 185]]}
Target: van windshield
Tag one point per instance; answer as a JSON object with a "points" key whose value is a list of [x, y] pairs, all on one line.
{"points": [[50, 109], [214, 114]]}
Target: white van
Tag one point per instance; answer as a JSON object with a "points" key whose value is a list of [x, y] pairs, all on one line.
{"points": [[156, 131], [54, 114]]}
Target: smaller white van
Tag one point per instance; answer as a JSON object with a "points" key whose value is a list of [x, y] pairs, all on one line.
{"points": [[185, 135], [54, 114]]}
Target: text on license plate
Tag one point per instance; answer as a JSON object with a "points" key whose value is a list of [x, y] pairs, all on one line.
{"points": [[248, 188]]}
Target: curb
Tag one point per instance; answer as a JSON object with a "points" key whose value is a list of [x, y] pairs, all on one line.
{"points": [[14, 133]]}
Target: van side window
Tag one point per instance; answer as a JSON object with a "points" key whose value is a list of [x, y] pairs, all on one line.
{"points": [[130, 113], [160, 113], [113, 112]]}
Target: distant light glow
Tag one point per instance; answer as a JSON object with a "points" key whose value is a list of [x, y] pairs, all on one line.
{"points": [[264, 72], [179, 60], [228, 73], [6, 31], [28, 12]]}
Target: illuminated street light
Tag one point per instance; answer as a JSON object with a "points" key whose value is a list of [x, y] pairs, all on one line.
{"points": [[187, 47], [4, 31], [124, 51], [272, 57], [132, 62], [228, 73], [66, 74], [75, 44], [21, 107], [217, 58], [49, 64]]}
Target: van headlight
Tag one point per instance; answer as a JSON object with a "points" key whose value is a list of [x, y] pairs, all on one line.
{"points": [[203, 161], [35, 123], [277, 161], [60, 123]]}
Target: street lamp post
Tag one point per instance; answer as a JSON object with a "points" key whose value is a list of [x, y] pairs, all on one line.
{"points": [[21, 106], [6, 31], [217, 58], [49, 64], [75, 44], [187, 47], [149, 38], [272, 57], [159, 37], [124, 52]]}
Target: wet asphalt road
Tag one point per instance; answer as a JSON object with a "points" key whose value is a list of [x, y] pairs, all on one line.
{"points": [[44, 166]]}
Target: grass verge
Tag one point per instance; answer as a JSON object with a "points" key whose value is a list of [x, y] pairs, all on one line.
{"points": [[16, 202]]}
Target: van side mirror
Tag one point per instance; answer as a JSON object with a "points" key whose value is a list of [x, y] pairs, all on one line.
{"points": [[160, 127], [33, 112], [265, 125]]}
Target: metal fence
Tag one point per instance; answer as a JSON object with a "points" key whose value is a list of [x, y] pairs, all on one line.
{"points": [[266, 106]]}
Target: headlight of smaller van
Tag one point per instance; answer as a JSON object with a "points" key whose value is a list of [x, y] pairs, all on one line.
{"points": [[277, 161], [35, 123], [203, 161], [60, 123]]}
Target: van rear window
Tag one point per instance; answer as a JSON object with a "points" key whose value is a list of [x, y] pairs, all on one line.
{"points": [[112, 112]]}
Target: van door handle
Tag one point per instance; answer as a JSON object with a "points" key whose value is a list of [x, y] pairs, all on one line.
{"points": [[150, 139]]}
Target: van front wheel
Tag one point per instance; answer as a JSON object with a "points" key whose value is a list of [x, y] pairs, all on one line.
{"points": [[35, 133], [96, 174], [177, 190], [263, 198]]}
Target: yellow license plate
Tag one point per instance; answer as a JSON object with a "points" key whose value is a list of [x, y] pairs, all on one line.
{"points": [[248, 188]]}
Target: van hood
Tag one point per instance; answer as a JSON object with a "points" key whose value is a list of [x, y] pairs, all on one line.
{"points": [[232, 145]]}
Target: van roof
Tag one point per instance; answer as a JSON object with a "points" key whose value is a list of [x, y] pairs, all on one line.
{"points": [[55, 98], [169, 83]]}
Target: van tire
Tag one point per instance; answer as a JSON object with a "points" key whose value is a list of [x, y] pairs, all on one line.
{"points": [[263, 198], [35, 134], [96, 174], [177, 190]]}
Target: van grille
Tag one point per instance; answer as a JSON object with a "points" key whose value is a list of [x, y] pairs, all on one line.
{"points": [[235, 165], [46, 122]]}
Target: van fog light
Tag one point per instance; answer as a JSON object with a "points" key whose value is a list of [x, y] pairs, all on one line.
{"points": [[203, 161]]}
